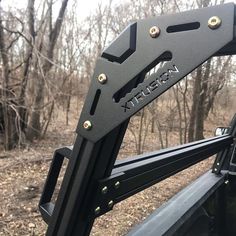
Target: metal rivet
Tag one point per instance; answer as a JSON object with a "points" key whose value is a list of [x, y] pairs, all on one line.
{"points": [[226, 181], [154, 31], [87, 125], [117, 184], [110, 204], [215, 169], [102, 78], [97, 210], [214, 22], [104, 190], [217, 163]]}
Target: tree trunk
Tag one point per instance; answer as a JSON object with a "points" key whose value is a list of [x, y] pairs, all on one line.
{"points": [[9, 115], [194, 111], [199, 133], [197, 114], [176, 94], [29, 50], [34, 130]]}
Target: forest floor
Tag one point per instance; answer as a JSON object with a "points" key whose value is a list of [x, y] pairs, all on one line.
{"points": [[23, 172]]}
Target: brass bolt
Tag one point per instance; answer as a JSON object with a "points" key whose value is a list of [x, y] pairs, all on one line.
{"points": [[87, 125], [154, 31], [104, 190], [110, 204], [102, 78], [214, 22], [117, 184], [97, 210]]}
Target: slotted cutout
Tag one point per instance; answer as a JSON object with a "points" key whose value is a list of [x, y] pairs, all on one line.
{"points": [[150, 69], [154, 69], [183, 27], [95, 102]]}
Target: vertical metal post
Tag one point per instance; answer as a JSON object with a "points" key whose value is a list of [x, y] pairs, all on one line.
{"points": [[221, 205], [75, 210], [74, 213]]}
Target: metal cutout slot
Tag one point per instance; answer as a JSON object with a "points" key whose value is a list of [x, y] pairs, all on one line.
{"points": [[183, 27], [157, 64], [95, 102]]}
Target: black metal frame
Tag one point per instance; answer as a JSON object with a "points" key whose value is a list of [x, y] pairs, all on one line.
{"points": [[186, 208], [93, 181]]}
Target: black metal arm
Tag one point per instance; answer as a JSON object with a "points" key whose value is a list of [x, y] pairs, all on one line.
{"points": [[142, 172], [92, 183]]}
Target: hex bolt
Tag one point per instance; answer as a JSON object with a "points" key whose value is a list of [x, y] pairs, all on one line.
{"points": [[214, 22], [104, 190], [102, 78], [154, 31], [110, 204], [87, 125], [117, 184], [97, 210]]}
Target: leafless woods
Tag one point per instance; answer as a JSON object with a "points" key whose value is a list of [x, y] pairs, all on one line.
{"points": [[48, 53]]}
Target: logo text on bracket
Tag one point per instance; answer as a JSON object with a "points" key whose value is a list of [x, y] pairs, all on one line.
{"points": [[150, 88]]}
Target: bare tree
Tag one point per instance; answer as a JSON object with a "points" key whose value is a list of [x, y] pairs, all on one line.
{"points": [[6, 93], [34, 129]]}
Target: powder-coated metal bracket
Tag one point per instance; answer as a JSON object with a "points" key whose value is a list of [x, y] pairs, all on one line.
{"points": [[93, 182], [183, 50]]}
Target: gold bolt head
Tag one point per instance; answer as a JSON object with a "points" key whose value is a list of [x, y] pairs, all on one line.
{"points": [[104, 190], [117, 184], [102, 78], [214, 22], [110, 204], [87, 125], [154, 31], [97, 210]]}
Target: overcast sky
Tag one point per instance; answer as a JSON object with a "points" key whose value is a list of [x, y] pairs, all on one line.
{"points": [[85, 7]]}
